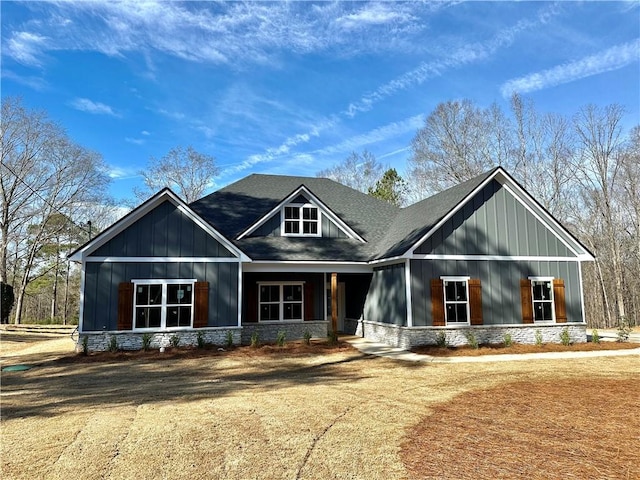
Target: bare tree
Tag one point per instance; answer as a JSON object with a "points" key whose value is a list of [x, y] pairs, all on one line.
{"points": [[44, 174], [453, 146], [186, 171], [599, 169], [359, 171]]}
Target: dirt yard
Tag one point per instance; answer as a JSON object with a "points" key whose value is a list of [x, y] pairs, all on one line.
{"points": [[316, 415]]}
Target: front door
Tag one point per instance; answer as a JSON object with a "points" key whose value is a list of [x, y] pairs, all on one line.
{"points": [[341, 305]]}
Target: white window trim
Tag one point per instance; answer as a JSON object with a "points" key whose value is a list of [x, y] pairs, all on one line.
{"points": [[301, 220], [444, 298], [281, 302], [163, 305], [552, 300]]}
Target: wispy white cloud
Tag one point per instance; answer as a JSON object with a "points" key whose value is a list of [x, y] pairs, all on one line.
{"points": [[135, 141], [613, 58], [376, 135], [231, 33], [36, 83], [89, 106], [121, 173], [462, 56]]}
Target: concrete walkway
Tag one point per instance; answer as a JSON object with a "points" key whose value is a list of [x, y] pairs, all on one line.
{"points": [[382, 350]]}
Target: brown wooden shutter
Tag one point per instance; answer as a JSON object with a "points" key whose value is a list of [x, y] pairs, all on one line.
{"points": [[201, 305], [527, 301], [559, 300], [437, 302], [308, 301], [475, 301], [125, 306]]}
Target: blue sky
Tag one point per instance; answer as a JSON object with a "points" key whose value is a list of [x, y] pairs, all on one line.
{"points": [[295, 87]]}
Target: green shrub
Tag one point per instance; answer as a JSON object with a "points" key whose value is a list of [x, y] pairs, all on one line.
{"points": [[307, 337], [595, 338], [200, 340], [146, 341], [472, 341], [255, 339], [538, 337], [508, 341], [565, 338], [7, 299], [113, 344], [281, 338], [441, 340], [623, 330], [174, 340], [229, 339], [85, 345], [332, 337]]}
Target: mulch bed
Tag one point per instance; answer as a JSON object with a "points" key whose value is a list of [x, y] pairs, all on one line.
{"points": [[520, 348], [560, 429], [289, 349]]}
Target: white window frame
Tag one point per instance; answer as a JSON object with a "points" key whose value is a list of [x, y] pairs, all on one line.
{"points": [[456, 302], [281, 302], [163, 304], [301, 221], [552, 300]]}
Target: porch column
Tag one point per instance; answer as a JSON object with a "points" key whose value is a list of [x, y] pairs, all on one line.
{"points": [[334, 302]]}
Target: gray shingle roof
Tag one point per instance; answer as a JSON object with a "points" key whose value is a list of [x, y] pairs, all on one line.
{"points": [[389, 231]]}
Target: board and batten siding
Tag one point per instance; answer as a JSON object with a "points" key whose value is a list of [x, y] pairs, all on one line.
{"points": [[493, 222], [500, 280], [164, 232], [102, 280], [386, 300]]}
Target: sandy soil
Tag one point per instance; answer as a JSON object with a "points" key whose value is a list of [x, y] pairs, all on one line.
{"points": [[313, 415]]}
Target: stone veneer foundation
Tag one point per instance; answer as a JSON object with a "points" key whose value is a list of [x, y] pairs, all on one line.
{"points": [[268, 332], [407, 337]]}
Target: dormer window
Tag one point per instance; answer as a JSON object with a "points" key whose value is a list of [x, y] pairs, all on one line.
{"points": [[301, 220]]}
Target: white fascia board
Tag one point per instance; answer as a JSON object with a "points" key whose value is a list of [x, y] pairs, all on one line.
{"points": [[163, 259], [141, 211], [306, 267], [315, 200], [510, 258]]}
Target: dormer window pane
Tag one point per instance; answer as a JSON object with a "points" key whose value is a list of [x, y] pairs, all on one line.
{"points": [[291, 213]]}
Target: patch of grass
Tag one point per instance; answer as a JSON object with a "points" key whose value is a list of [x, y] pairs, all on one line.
{"points": [[472, 340], [307, 337], [113, 344], [441, 340], [146, 341], [538, 338], [200, 340]]}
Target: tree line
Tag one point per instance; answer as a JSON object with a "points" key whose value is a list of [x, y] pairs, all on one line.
{"points": [[584, 169]]}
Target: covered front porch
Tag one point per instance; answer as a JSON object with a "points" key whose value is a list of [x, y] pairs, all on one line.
{"points": [[299, 299]]}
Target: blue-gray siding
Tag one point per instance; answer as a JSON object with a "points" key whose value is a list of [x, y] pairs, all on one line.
{"points": [[500, 282], [494, 223], [386, 300], [102, 280], [163, 232]]}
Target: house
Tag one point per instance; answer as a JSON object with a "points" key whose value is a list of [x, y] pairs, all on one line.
{"points": [[281, 253]]}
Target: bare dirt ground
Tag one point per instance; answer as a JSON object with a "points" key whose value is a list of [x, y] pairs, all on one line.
{"points": [[316, 414]]}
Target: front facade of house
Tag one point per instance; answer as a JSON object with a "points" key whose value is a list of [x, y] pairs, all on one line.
{"points": [[272, 254]]}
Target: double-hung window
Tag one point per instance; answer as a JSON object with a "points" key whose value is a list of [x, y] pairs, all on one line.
{"points": [[163, 304], [456, 300], [301, 220], [542, 297], [280, 302]]}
